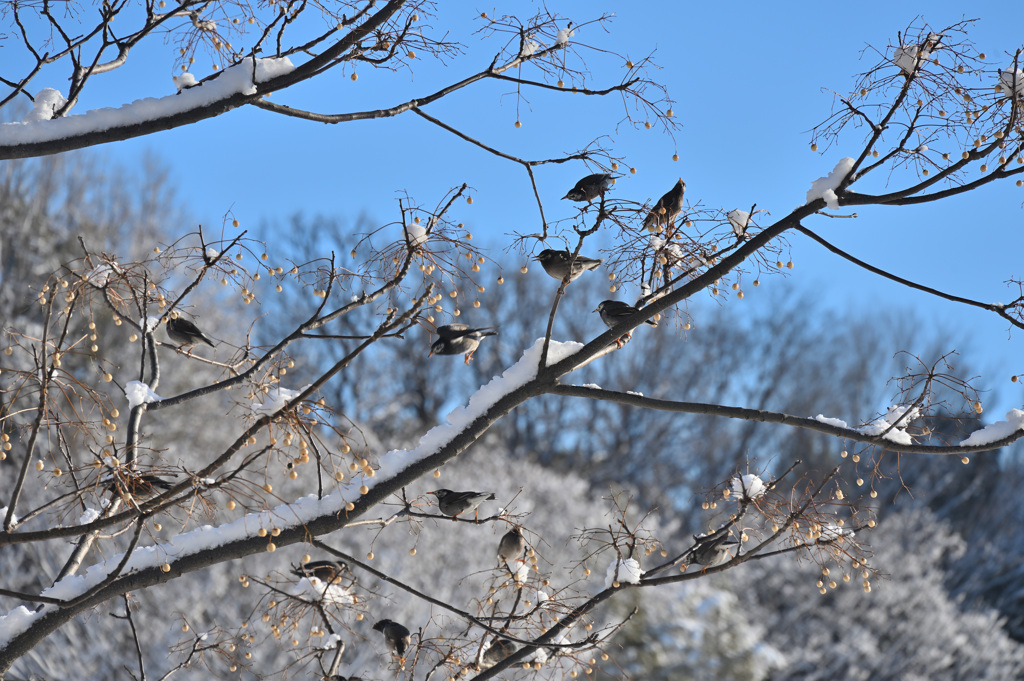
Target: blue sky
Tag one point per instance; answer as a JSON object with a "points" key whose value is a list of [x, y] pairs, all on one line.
{"points": [[747, 78]]}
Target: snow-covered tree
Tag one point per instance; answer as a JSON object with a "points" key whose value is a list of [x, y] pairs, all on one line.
{"points": [[166, 459]]}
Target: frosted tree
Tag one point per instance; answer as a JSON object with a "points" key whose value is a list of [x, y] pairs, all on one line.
{"points": [[165, 461]]}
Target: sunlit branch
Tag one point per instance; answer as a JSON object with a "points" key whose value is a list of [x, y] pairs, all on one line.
{"points": [[991, 307], [762, 416]]}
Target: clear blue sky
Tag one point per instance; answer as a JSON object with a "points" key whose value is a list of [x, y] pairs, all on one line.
{"points": [[747, 78]]}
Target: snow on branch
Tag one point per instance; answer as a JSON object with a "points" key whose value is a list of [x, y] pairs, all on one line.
{"points": [[296, 514], [825, 187], [239, 79], [994, 432]]}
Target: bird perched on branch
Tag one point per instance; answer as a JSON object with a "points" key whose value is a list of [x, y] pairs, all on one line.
{"points": [[327, 571], [511, 545], [137, 485], [453, 503], [396, 637], [667, 209], [715, 548], [590, 187], [496, 652], [458, 339], [185, 333], [614, 311], [556, 264]]}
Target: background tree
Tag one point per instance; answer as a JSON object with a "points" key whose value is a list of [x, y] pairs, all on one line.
{"points": [[163, 465]]}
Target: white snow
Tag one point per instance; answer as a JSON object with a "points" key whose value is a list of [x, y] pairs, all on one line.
{"points": [[838, 423], [907, 57], [563, 36], [312, 589], [998, 430], [901, 414], [415, 234], [151, 323], [138, 393], [1007, 78], [184, 81], [332, 641], [628, 572], [739, 219], [17, 621], [204, 24], [231, 81], [825, 187], [276, 399], [748, 486], [98, 275], [529, 47], [892, 416], [515, 376], [212, 253], [88, 516], [832, 531], [47, 101], [3, 515], [672, 251], [633, 392], [302, 511], [593, 386]]}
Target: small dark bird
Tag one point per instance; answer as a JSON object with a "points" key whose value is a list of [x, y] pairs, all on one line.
{"points": [[556, 263], [185, 333], [327, 571], [714, 548], [511, 545], [138, 485], [458, 339], [496, 652], [590, 187], [614, 311], [396, 637], [453, 503], [668, 207]]}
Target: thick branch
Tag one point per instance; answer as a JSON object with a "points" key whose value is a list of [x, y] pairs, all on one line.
{"points": [[762, 416], [125, 131]]}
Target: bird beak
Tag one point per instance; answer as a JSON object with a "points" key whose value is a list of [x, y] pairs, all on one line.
{"points": [[434, 493], [565, 197]]}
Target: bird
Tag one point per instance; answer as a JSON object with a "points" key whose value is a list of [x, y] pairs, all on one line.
{"points": [[614, 311], [511, 545], [496, 652], [453, 503], [714, 548], [667, 209], [557, 264], [590, 187], [396, 637], [327, 571], [185, 333], [138, 485], [457, 339]]}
